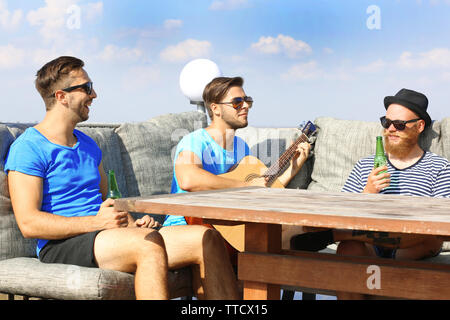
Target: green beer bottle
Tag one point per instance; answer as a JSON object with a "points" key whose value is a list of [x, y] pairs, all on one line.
{"points": [[380, 158], [113, 189]]}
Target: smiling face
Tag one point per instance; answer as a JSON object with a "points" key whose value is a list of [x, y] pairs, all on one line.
{"points": [[78, 100], [400, 143]]}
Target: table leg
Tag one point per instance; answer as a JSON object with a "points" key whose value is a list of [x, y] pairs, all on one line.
{"points": [[262, 238]]}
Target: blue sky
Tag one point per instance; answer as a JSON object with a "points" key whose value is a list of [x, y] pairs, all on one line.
{"points": [[300, 59]]}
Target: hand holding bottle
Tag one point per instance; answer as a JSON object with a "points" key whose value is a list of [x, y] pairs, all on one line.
{"points": [[109, 218], [378, 179]]}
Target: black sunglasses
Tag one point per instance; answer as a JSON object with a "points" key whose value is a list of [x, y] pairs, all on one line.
{"points": [[398, 124], [87, 87], [238, 102]]}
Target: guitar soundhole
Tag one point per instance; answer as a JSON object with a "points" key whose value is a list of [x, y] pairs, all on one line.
{"points": [[252, 176]]}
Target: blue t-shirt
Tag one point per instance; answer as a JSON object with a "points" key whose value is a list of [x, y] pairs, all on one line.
{"points": [[71, 180], [214, 159]]}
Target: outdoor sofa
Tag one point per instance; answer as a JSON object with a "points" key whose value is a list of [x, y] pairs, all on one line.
{"points": [[141, 155]]}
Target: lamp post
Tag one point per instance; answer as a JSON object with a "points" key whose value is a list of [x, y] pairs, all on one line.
{"points": [[194, 77]]}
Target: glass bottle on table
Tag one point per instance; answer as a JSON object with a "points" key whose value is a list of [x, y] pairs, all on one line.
{"points": [[113, 189], [380, 157]]}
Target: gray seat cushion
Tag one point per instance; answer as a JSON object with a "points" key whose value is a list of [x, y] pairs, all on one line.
{"points": [[30, 277]]}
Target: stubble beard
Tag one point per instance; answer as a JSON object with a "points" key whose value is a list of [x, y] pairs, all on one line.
{"points": [[234, 123]]}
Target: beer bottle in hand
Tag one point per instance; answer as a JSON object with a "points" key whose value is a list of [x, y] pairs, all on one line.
{"points": [[380, 157], [113, 189]]}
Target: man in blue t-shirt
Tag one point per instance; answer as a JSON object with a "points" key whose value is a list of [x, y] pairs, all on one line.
{"points": [[202, 156], [58, 192], [411, 171]]}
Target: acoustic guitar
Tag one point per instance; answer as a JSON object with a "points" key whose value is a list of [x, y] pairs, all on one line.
{"points": [[250, 168]]}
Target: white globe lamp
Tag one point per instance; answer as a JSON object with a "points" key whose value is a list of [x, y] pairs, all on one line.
{"points": [[194, 77]]}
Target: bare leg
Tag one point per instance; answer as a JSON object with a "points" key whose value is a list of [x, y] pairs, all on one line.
{"points": [[355, 248], [204, 249], [429, 247], [139, 251]]}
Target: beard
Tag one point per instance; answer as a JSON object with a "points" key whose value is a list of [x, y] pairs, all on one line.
{"points": [[234, 123], [81, 112], [402, 148]]}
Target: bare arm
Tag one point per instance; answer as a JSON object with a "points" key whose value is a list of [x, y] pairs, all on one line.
{"points": [[26, 199], [103, 181], [192, 177]]}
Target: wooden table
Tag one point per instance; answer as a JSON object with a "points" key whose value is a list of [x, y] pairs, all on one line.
{"points": [[264, 266]]}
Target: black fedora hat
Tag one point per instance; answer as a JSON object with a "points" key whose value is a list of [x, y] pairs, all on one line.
{"points": [[413, 100]]}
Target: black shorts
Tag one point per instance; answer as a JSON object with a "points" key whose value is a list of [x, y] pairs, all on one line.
{"points": [[78, 250]]}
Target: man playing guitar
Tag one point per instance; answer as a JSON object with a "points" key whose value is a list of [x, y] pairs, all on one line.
{"points": [[204, 155]]}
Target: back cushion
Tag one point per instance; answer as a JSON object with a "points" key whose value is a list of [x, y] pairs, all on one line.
{"points": [[12, 243], [109, 142], [148, 149]]}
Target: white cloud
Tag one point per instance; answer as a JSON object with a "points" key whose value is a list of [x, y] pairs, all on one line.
{"points": [[186, 50], [8, 19], [53, 18], [281, 44], [171, 24], [372, 67], [93, 10], [11, 57], [312, 71], [228, 4], [435, 58], [113, 53], [303, 71]]}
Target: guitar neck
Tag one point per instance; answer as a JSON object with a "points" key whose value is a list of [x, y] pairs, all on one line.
{"points": [[283, 162]]}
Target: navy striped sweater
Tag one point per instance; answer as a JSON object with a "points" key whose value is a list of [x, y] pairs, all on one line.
{"points": [[430, 177]]}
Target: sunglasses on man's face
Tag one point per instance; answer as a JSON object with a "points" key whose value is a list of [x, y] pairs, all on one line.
{"points": [[87, 87], [398, 124], [238, 102]]}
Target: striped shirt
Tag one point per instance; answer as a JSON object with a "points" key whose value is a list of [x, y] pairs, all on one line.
{"points": [[429, 177]]}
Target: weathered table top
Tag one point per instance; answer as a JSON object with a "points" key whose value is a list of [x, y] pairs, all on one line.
{"points": [[373, 212]]}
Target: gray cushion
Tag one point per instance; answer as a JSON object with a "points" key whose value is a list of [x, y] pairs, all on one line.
{"points": [[108, 141], [30, 277], [445, 138], [341, 143], [148, 148], [268, 144], [12, 243]]}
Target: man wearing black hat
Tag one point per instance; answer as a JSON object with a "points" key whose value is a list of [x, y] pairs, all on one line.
{"points": [[410, 171]]}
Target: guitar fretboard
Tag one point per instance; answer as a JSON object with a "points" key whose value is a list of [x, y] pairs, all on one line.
{"points": [[283, 162]]}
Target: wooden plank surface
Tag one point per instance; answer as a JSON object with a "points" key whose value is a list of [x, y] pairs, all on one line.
{"points": [[399, 279], [372, 212]]}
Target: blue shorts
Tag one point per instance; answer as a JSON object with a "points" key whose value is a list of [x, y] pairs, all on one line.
{"points": [[390, 253], [385, 252]]}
